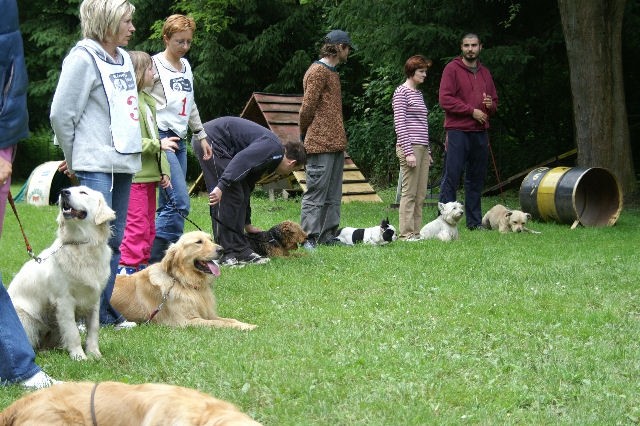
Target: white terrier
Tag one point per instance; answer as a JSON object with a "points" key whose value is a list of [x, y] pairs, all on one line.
{"points": [[445, 226]]}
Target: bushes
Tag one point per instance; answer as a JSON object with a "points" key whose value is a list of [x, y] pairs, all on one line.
{"points": [[372, 138], [35, 150], [39, 148]]}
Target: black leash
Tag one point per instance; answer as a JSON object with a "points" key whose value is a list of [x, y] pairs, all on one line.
{"points": [[244, 234], [172, 204]]}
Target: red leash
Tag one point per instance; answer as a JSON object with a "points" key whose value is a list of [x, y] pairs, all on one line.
{"points": [[26, 241], [495, 166]]}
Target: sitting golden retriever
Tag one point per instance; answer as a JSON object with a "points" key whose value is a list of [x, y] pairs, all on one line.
{"points": [[64, 284], [113, 403], [277, 241], [178, 291]]}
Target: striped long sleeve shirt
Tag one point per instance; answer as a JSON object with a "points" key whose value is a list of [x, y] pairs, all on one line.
{"points": [[410, 118]]}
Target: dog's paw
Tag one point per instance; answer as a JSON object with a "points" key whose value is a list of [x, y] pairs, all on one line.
{"points": [[246, 327], [94, 353], [77, 354]]}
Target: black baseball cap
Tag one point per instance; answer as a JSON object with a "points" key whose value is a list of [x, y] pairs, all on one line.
{"points": [[338, 37]]}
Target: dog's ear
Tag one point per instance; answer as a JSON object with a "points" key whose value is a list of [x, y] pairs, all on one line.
{"points": [[103, 212], [509, 213], [60, 220], [440, 206], [528, 216], [385, 223], [169, 258]]}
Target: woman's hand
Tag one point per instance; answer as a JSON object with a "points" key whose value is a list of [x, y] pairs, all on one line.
{"points": [[63, 168], [207, 152], [5, 170], [165, 182], [170, 143]]}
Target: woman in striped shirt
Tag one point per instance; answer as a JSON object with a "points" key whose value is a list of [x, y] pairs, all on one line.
{"points": [[412, 147]]}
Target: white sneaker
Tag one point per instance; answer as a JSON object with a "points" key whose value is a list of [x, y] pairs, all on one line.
{"points": [[82, 327], [126, 270], [40, 380], [231, 262], [254, 259], [124, 325]]}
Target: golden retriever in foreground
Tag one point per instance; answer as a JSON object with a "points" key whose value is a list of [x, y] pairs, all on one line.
{"points": [[115, 404], [178, 291], [64, 285]]}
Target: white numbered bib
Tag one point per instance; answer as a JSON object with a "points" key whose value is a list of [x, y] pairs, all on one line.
{"points": [[178, 91], [119, 84]]}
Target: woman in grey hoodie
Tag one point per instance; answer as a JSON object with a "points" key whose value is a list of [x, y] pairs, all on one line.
{"points": [[95, 119]]}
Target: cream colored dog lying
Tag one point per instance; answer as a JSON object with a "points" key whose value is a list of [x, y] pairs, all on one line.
{"points": [[113, 403], [178, 291], [505, 220]]}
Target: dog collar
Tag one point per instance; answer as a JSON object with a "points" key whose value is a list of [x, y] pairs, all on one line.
{"points": [[39, 259]]}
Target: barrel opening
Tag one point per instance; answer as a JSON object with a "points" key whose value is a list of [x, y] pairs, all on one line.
{"points": [[597, 198]]}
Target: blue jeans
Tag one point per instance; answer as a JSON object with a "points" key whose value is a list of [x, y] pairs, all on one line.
{"points": [[468, 153], [115, 188], [17, 359], [173, 203]]}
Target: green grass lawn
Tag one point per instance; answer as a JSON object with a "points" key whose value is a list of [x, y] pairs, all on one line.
{"points": [[491, 329]]}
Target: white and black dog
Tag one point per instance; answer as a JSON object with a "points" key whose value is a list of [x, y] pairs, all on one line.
{"points": [[376, 235]]}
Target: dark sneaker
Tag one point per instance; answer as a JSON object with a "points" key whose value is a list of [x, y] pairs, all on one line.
{"points": [[335, 241], [253, 259], [476, 228]]}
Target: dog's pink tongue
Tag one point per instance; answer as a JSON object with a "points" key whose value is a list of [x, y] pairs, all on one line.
{"points": [[214, 268]]}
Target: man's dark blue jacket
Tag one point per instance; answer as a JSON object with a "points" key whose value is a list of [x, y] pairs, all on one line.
{"points": [[14, 118]]}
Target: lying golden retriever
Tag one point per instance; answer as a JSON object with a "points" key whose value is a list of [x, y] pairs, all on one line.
{"points": [[178, 291], [279, 240], [113, 404], [51, 294]]}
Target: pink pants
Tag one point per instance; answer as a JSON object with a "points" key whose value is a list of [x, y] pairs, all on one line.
{"points": [[141, 225], [5, 154]]}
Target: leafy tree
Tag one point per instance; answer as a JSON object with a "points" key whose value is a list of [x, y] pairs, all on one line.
{"points": [[527, 62], [49, 29], [248, 46]]}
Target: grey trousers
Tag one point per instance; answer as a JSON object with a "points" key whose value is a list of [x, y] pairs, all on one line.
{"points": [[320, 213]]}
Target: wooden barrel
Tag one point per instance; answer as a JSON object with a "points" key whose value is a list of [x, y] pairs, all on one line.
{"points": [[590, 196]]}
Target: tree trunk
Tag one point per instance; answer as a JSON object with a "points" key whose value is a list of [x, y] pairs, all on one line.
{"points": [[592, 32]]}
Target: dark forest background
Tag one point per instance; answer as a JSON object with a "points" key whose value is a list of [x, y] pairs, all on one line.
{"points": [[247, 46]]}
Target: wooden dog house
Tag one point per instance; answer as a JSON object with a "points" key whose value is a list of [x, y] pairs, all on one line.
{"points": [[279, 113]]}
